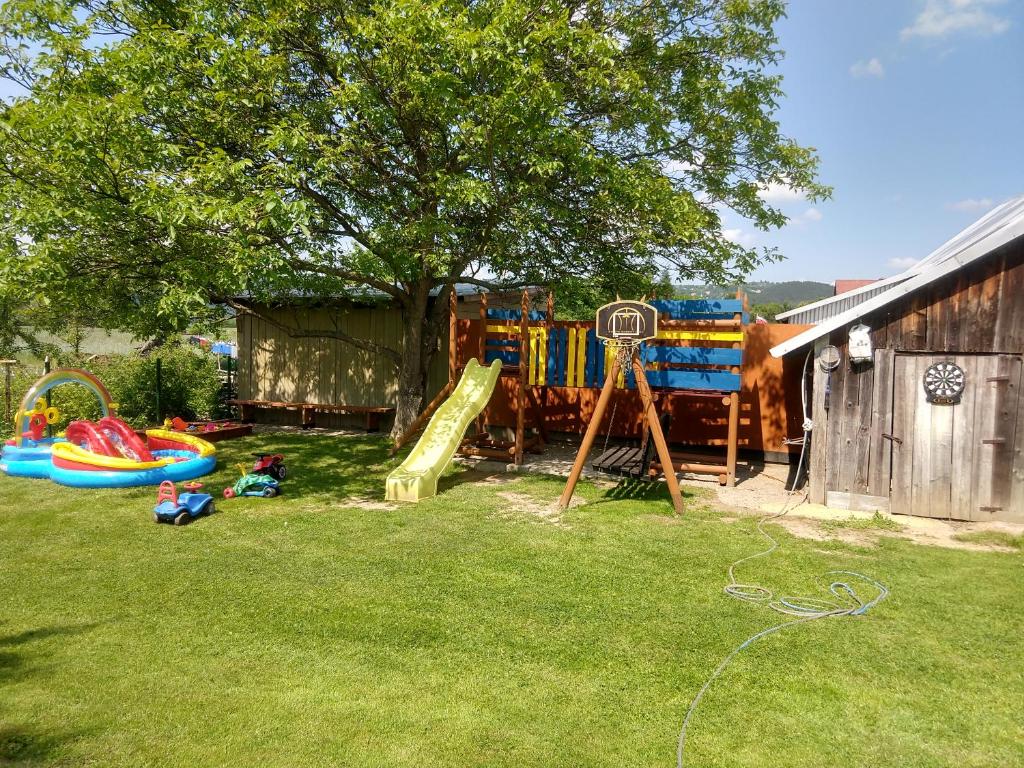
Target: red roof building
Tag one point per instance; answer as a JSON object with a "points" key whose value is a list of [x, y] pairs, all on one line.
{"points": [[842, 286]]}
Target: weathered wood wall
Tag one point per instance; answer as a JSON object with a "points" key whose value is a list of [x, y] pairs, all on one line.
{"points": [[980, 311], [272, 365]]}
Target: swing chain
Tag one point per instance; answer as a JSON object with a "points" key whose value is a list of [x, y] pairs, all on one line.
{"points": [[624, 356]]}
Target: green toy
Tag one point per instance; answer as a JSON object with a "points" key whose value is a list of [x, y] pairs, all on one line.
{"points": [[253, 484]]}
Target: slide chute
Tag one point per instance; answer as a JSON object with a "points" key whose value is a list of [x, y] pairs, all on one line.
{"points": [[123, 437], [87, 434]]}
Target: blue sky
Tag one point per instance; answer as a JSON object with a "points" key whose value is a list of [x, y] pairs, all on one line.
{"points": [[916, 108]]}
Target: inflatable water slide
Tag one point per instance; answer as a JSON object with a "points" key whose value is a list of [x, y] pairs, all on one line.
{"points": [[416, 477], [106, 453]]}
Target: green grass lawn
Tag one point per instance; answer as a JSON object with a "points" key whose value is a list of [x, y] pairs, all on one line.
{"points": [[469, 631]]}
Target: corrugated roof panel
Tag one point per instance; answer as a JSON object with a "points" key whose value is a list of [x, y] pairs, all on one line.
{"points": [[981, 230], [1000, 226]]}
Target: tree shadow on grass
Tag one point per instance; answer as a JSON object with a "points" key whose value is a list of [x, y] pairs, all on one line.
{"points": [[331, 468], [26, 745], [642, 490], [17, 654]]}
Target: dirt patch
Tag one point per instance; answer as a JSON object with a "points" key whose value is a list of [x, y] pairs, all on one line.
{"points": [[803, 523], [374, 505], [803, 528], [548, 513]]}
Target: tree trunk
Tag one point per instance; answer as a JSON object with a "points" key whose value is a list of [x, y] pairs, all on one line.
{"points": [[422, 324]]}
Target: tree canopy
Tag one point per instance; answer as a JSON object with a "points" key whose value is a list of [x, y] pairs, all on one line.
{"points": [[168, 155]]}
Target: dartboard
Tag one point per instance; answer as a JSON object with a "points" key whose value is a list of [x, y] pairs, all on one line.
{"points": [[944, 382]]}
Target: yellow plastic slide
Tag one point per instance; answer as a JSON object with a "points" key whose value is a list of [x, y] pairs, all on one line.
{"points": [[416, 478]]}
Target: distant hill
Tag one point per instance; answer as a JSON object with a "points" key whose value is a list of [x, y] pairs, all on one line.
{"points": [[793, 292]]}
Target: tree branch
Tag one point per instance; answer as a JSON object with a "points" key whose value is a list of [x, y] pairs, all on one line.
{"points": [[297, 333]]}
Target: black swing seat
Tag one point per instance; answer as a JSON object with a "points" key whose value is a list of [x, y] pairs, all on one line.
{"points": [[629, 461], [625, 461]]}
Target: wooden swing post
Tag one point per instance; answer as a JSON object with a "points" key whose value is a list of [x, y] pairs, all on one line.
{"points": [[591, 434], [654, 424], [624, 325]]}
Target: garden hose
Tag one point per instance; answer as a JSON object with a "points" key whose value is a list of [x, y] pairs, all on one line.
{"points": [[846, 601]]}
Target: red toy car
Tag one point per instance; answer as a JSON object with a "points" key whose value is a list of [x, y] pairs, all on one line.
{"points": [[270, 464]]}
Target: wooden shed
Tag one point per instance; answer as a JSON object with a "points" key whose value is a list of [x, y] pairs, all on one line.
{"points": [[281, 360], [928, 419]]}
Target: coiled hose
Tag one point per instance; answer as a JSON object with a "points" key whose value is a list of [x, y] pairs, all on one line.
{"points": [[845, 602]]}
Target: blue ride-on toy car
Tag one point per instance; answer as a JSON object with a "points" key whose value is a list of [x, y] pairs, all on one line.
{"points": [[180, 509]]}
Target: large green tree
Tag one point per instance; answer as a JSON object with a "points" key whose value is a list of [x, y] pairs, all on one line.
{"points": [[164, 155]]}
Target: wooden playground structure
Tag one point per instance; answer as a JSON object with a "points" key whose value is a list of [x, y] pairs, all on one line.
{"points": [[696, 357]]}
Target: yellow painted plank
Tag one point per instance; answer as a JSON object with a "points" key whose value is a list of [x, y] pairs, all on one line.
{"points": [[513, 329], [570, 358], [531, 352], [609, 357], [701, 335], [581, 357], [540, 335]]}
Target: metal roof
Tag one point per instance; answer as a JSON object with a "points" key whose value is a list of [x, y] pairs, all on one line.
{"points": [[823, 309], [1001, 225]]}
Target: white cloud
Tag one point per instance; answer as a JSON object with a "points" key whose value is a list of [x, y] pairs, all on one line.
{"points": [[970, 205], [942, 18], [677, 167], [902, 262], [870, 68], [777, 192], [809, 216], [740, 237]]}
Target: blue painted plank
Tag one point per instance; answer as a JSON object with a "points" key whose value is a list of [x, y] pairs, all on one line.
{"points": [[556, 356], [698, 309], [588, 370], [535, 315], [714, 380], [550, 370], [502, 343], [506, 357], [563, 357], [693, 355]]}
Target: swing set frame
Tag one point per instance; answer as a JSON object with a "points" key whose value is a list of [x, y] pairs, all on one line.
{"points": [[626, 354]]}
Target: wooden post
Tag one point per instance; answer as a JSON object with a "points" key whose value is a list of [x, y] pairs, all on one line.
{"points": [[453, 341], [482, 353], [548, 374], [654, 424], [482, 340], [591, 433], [46, 369], [524, 364], [732, 448], [7, 386]]}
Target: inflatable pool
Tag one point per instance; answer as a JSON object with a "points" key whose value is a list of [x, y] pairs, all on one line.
{"points": [[169, 456], [102, 454]]}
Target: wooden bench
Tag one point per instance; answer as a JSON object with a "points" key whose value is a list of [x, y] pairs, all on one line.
{"points": [[372, 413]]}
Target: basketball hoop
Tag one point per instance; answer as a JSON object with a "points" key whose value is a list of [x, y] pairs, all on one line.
{"points": [[624, 325]]}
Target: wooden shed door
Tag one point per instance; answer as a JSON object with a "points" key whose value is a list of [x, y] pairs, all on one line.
{"points": [[956, 462]]}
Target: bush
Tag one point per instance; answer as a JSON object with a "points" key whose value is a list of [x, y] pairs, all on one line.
{"points": [[190, 387]]}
